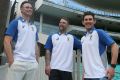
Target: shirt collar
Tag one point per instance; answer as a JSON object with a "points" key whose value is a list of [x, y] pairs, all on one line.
{"points": [[90, 31], [23, 20], [61, 33]]}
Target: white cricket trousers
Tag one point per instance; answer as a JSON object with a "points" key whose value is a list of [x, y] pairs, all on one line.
{"points": [[20, 70]]}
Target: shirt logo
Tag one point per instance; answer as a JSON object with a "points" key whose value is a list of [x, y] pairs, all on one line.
{"points": [[23, 26], [68, 39], [32, 28], [90, 37], [57, 39]]}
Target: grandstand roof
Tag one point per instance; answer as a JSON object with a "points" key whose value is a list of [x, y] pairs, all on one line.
{"points": [[54, 9], [108, 5]]}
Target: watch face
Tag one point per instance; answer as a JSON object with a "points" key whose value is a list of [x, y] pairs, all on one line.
{"points": [[113, 65]]}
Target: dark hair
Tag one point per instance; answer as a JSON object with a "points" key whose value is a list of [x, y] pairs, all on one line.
{"points": [[65, 18], [24, 2], [88, 13]]}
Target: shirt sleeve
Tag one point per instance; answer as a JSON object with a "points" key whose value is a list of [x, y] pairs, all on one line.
{"points": [[77, 44], [105, 38], [12, 28], [37, 38], [49, 44]]}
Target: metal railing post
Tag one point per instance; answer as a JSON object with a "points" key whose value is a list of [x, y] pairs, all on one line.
{"points": [[74, 67], [78, 65]]}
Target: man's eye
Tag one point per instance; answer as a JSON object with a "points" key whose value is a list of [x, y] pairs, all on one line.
{"points": [[28, 7], [90, 19], [62, 22]]}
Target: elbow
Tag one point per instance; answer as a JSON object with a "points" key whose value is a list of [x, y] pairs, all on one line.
{"points": [[6, 41], [115, 47]]}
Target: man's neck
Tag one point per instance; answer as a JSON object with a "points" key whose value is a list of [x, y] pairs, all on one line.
{"points": [[27, 18], [88, 30], [62, 32]]}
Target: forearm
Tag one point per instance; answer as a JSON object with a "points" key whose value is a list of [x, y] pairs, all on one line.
{"points": [[47, 57], [8, 51], [114, 50]]}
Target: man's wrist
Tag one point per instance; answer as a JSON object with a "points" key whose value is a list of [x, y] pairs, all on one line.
{"points": [[113, 65], [47, 64]]}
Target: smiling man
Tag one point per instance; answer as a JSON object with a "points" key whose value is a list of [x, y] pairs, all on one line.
{"points": [[23, 57], [59, 53], [94, 45]]}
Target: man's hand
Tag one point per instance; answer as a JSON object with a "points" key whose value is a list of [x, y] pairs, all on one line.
{"points": [[110, 73], [10, 62], [47, 70]]}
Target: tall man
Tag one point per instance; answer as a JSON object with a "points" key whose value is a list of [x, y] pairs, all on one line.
{"points": [[59, 53], [23, 59], [94, 44]]}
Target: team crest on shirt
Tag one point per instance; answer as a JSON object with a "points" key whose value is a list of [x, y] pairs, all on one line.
{"points": [[68, 39], [90, 37], [23, 26], [57, 39], [32, 28]]}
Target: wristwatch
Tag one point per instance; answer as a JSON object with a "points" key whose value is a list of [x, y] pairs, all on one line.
{"points": [[113, 65]]}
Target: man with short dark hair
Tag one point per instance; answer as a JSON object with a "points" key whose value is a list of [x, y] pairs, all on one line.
{"points": [[23, 57], [94, 44], [59, 53]]}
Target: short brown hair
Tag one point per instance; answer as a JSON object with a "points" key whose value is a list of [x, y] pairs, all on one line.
{"points": [[88, 13], [24, 2], [65, 18]]}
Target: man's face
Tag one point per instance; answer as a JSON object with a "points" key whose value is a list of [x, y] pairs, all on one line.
{"points": [[27, 9], [63, 24], [88, 22]]}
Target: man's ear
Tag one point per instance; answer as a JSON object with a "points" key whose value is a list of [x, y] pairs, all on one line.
{"points": [[94, 21], [20, 8], [82, 22]]}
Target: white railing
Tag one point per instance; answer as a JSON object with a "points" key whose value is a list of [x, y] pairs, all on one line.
{"points": [[74, 5], [40, 75]]}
